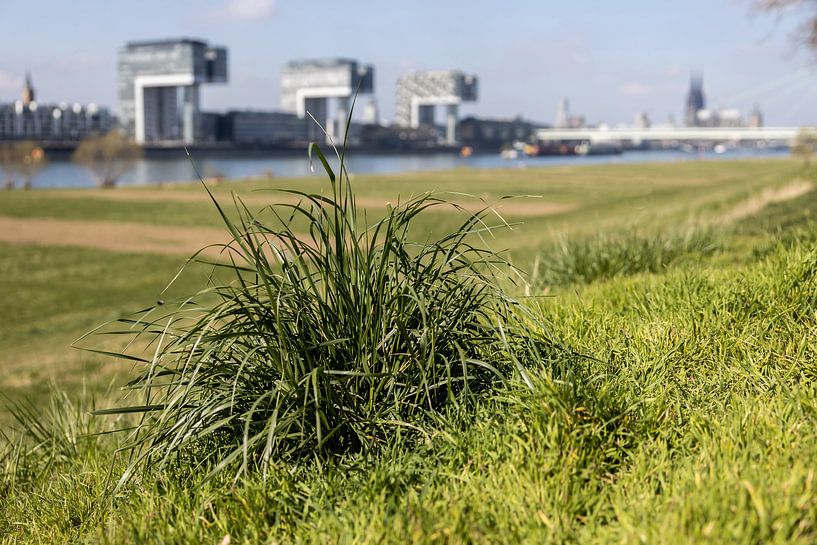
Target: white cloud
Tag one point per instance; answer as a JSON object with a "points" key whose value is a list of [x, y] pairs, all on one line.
{"points": [[244, 10], [634, 88], [10, 82]]}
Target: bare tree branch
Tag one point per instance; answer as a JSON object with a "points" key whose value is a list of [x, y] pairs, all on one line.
{"points": [[807, 33]]}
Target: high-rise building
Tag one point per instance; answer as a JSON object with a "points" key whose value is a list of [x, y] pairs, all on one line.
{"points": [[307, 86], [642, 120], [755, 117], [696, 100], [566, 120], [371, 114], [562, 113], [158, 87], [419, 93]]}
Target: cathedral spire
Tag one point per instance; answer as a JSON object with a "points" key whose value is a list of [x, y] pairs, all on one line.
{"points": [[28, 90], [696, 100]]}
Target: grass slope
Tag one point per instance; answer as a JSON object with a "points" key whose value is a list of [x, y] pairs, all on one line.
{"points": [[691, 420]]}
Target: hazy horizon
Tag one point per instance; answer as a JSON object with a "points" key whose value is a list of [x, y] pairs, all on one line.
{"points": [[611, 60]]}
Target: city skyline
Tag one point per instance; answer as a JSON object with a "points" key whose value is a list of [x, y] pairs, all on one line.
{"points": [[633, 57]]}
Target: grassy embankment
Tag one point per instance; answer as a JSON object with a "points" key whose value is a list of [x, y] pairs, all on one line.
{"points": [[692, 422]]}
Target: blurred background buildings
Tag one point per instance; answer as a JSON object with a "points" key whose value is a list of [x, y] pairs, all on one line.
{"points": [[159, 105]]}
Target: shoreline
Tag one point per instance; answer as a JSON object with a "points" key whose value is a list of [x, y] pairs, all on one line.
{"points": [[172, 171]]}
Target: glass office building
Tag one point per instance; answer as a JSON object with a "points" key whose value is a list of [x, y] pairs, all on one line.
{"points": [[307, 86], [420, 93], [158, 88]]}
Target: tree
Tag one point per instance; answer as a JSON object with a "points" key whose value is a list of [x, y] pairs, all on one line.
{"points": [[108, 157], [9, 164], [808, 30], [804, 145], [31, 160], [21, 160]]}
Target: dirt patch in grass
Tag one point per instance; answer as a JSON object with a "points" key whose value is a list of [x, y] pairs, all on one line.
{"points": [[530, 207], [111, 236], [768, 196]]}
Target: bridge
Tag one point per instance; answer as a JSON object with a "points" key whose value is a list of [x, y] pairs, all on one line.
{"points": [[679, 134]]}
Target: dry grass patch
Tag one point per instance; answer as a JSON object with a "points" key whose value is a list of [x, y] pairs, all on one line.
{"points": [[110, 236]]}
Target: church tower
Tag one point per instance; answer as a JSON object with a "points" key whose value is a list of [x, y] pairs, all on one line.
{"points": [[28, 91], [695, 100]]}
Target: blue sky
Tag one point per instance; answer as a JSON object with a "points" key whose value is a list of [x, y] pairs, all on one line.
{"points": [[611, 58]]}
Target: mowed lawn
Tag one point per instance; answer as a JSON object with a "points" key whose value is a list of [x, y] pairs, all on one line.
{"points": [[690, 418]]}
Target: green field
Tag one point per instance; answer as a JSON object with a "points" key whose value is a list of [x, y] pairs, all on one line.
{"points": [[683, 411]]}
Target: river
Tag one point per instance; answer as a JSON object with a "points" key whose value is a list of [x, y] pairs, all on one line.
{"points": [[63, 173]]}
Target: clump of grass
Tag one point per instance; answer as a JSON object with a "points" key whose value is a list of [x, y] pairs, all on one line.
{"points": [[42, 437], [605, 256], [336, 338]]}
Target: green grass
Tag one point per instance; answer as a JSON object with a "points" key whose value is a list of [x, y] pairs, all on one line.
{"points": [[602, 197], [335, 342], [784, 218], [690, 417], [42, 204], [52, 295], [605, 255]]}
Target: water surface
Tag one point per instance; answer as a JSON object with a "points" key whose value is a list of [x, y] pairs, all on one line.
{"points": [[63, 173]]}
